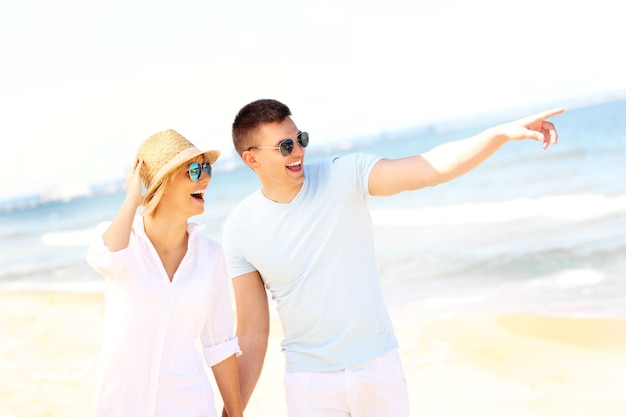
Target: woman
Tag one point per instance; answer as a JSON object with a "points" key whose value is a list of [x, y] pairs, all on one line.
{"points": [[166, 289]]}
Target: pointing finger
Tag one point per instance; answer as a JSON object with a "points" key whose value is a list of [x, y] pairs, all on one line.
{"points": [[548, 113]]}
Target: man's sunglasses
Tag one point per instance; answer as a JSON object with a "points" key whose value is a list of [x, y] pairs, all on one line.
{"points": [[195, 170], [286, 146]]}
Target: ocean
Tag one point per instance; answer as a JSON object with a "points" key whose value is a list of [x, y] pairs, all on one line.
{"points": [[528, 231]]}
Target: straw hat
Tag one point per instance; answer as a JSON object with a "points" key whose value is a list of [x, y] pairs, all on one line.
{"points": [[165, 151]]}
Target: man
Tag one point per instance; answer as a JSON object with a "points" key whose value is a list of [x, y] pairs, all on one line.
{"points": [[306, 236]]}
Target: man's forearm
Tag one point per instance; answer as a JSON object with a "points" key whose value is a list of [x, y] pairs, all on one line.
{"points": [[453, 159], [250, 364]]}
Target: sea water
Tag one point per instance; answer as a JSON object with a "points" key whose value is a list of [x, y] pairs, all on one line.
{"points": [[529, 230]]}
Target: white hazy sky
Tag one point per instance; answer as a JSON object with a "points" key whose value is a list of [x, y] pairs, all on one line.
{"points": [[84, 82]]}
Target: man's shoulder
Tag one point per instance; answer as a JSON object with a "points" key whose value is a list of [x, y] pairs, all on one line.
{"points": [[242, 208], [329, 163], [344, 165]]}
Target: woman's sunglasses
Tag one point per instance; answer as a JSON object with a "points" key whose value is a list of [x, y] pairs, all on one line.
{"points": [[286, 146], [195, 170]]}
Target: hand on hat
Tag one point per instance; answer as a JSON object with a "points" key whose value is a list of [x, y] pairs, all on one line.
{"points": [[133, 183]]}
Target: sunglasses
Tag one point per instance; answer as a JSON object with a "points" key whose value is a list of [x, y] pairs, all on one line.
{"points": [[195, 170], [286, 146]]}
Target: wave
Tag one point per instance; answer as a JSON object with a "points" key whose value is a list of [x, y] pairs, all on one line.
{"points": [[577, 292], [569, 278], [568, 208], [67, 276], [70, 238]]}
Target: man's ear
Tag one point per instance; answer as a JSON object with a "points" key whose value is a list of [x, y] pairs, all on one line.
{"points": [[249, 159]]}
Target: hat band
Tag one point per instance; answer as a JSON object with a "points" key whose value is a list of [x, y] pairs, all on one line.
{"points": [[178, 159]]}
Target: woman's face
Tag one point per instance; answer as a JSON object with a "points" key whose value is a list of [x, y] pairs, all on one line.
{"points": [[184, 194]]}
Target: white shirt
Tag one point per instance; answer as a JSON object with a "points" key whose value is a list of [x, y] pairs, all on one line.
{"points": [[150, 364], [315, 254]]}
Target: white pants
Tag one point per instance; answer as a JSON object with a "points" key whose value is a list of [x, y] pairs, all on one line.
{"points": [[374, 389]]}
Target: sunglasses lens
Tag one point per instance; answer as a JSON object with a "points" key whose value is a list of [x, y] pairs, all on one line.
{"points": [[303, 139], [286, 147], [194, 171], [207, 168]]}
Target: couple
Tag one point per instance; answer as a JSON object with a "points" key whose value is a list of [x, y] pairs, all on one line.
{"points": [[305, 235]]}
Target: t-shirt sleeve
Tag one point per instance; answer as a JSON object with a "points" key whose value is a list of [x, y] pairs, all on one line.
{"points": [[356, 167], [236, 262]]}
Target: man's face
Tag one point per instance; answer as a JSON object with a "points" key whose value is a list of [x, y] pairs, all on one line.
{"points": [[281, 176]]}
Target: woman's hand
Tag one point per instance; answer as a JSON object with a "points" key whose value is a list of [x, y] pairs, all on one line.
{"points": [[133, 184]]}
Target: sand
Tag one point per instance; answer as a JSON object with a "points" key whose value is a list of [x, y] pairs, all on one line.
{"points": [[466, 365]]}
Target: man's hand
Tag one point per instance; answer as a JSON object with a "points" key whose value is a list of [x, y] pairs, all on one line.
{"points": [[534, 127]]}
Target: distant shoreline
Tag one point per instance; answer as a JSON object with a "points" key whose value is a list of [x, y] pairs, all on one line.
{"points": [[67, 193]]}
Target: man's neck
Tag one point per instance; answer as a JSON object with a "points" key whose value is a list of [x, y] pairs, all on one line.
{"points": [[281, 195]]}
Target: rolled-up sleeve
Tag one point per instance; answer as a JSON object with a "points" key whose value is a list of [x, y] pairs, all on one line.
{"points": [[218, 336], [217, 353]]}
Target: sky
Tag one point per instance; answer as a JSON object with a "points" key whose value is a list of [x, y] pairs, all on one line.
{"points": [[83, 83]]}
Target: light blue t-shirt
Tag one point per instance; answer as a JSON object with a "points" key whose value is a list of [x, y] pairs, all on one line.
{"points": [[316, 257]]}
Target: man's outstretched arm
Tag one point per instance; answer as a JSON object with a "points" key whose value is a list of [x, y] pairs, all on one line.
{"points": [[451, 160]]}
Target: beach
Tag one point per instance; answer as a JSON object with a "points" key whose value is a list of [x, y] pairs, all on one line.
{"points": [[484, 364], [506, 286]]}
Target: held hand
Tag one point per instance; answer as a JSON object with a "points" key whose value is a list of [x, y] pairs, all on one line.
{"points": [[133, 183], [534, 127]]}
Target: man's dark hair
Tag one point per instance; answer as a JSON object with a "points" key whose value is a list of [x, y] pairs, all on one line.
{"points": [[254, 115]]}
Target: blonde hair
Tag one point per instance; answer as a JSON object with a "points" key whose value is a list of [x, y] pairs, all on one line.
{"points": [[151, 201]]}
